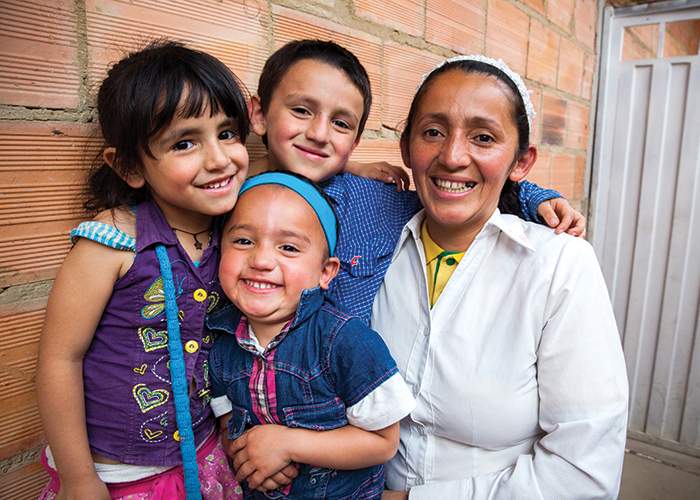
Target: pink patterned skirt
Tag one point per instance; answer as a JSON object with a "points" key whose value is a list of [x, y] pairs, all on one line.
{"points": [[215, 476]]}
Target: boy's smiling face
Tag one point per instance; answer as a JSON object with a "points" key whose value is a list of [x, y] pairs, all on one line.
{"points": [[312, 120], [272, 249]]}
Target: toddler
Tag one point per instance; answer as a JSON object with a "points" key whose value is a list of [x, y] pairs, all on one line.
{"points": [[322, 382]]}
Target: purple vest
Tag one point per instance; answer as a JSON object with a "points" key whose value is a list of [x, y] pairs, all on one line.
{"points": [[129, 405]]}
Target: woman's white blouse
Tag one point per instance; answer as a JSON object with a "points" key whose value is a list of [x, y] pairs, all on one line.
{"points": [[517, 370]]}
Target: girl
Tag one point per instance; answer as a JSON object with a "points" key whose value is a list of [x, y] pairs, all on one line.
{"points": [[119, 400], [516, 339]]}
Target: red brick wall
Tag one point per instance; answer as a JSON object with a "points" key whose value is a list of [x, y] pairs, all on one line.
{"points": [[54, 53]]}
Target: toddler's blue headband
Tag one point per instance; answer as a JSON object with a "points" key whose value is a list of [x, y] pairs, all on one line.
{"points": [[318, 203]]}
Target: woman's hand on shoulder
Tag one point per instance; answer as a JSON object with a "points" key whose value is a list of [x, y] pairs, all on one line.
{"points": [[560, 215], [380, 171]]}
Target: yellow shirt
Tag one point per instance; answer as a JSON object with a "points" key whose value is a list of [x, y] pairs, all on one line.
{"points": [[440, 265]]}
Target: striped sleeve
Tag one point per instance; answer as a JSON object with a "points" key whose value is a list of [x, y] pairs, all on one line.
{"points": [[104, 234]]}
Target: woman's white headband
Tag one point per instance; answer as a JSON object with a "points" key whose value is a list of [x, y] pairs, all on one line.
{"points": [[499, 64]]}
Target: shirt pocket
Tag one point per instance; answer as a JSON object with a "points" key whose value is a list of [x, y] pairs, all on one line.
{"points": [[362, 258], [319, 416], [238, 422]]}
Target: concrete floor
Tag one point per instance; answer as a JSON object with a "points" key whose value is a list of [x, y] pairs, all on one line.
{"points": [[647, 479]]}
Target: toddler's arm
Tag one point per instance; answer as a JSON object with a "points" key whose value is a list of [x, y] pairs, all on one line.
{"points": [[81, 291], [266, 449]]}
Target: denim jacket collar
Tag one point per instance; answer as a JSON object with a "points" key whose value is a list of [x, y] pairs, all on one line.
{"points": [[226, 319]]}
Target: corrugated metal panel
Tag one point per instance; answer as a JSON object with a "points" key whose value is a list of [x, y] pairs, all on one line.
{"points": [[646, 229]]}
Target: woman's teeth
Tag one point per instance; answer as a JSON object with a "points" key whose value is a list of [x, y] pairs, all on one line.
{"points": [[453, 186], [216, 185], [259, 284]]}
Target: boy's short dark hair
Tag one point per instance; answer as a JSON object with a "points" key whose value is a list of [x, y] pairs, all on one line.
{"points": [[326, 52]]}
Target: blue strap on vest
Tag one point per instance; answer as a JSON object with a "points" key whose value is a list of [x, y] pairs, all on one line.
{"points": [[178, 379]]}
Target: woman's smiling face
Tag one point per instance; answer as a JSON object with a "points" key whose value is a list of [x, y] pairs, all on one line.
{"points": [[462, 147]]}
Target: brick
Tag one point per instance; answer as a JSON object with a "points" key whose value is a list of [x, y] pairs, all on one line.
{"points": [[538, 5], [290, 25], [560, 12], [553, 119], [580, 177], [587, 80], [457, 24], [20, 427], [404, 15], [682, 38], [24, 483], [507, 34], [564, 174], [232, 31], [40, 194], [377, 150], [585, 14], [570, 67], [647, 35], [576, 125], [371, 150], [540, 173], [543, 54], [403, 69], [38, 56]]}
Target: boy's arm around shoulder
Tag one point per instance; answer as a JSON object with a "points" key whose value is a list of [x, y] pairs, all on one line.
{"points": [[80, 293]]}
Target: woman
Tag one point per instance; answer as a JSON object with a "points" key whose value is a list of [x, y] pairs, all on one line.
{"points": [[503, 329]]}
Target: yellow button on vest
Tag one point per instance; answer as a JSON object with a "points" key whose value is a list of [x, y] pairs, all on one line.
{"points": [[191, 346], [176, 435], [200, 295]]}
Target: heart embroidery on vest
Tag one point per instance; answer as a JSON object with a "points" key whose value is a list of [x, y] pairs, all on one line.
{"points": [[141, 369], [150, 434], [148, 399], [153, 340], [213, 301]]}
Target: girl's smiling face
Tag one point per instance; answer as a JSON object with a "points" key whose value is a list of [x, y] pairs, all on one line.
{"points": [[461, 149]]}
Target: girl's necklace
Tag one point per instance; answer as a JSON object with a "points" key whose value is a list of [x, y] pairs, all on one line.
{"points": [[197, 243]]}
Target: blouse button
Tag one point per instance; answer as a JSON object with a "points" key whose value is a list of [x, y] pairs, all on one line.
{"points": [[450, 261], [191, 346], [200, 295], [176, 435]]}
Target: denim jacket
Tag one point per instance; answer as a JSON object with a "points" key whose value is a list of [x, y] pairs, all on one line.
{"points": [[323, 362]]}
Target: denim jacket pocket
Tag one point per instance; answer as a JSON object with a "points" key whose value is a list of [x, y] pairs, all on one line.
{"points": [[238, 422], [319, 416]]}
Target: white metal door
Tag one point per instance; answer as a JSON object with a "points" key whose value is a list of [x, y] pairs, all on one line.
{"points": [[645, 213]]}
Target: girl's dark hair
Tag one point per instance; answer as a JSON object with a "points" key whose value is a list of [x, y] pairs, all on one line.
{"points": [[140, 97], [509, 202], [326, 52]]}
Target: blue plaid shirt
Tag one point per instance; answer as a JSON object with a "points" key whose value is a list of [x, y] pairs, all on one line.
{"points": [[371, 215]]}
